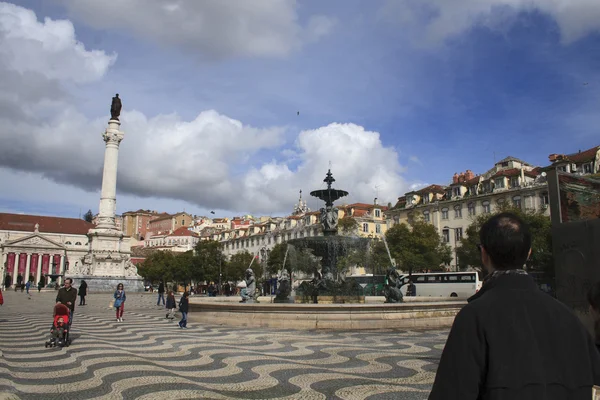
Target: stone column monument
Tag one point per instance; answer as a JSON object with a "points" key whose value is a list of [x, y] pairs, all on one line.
{"points": [[108, 260]]}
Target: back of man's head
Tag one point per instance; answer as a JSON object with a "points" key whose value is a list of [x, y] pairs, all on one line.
{"points": [[507, 240]]}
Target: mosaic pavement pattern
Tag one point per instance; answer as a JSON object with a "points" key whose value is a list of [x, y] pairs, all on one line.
{"points": [[148, 357]]}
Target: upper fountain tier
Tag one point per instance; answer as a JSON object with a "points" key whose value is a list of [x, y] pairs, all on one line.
{"points": [[329, 195]]}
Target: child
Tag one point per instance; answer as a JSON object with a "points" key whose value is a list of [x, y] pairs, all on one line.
{"points": [[171, 305], [59, 328]]}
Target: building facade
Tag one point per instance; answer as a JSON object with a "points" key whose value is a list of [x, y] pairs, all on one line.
{"points": [[452, 208], [136, 224], [169, 223], [34, 246]]}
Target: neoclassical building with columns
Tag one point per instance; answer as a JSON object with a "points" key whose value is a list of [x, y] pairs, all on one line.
{"points": [[33, 245]]}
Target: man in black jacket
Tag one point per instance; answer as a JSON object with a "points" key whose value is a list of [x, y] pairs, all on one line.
{"points": [[67, 295], [513, 341]]}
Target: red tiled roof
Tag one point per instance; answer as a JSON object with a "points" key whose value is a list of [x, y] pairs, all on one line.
{"points": [[473, 181], [26, 223], [507, 172], [359, 213], [432, 189], [183, 231], [294, 217], [515, 172], [587, 155]]}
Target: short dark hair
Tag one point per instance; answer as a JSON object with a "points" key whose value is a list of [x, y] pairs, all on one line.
{"points": [[507, 240], [70, 280], [593, 296]]}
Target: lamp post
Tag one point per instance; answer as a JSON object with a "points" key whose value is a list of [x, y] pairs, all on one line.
{"points": [[455, 246], [220, 274]]}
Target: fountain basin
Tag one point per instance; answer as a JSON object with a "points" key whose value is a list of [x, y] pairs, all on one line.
{"points": [[410, 315]]}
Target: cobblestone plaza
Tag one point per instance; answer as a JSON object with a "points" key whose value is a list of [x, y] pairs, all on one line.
{"points": [[148, 357]]}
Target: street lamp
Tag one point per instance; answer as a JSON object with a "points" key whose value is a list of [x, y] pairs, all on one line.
{"points": [[455, 245]]}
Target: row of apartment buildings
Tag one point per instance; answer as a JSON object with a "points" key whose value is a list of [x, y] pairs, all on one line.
{"points": [[450, 207]]}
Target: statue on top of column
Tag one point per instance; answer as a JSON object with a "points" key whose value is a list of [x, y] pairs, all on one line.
{"points": [[115, 108]]}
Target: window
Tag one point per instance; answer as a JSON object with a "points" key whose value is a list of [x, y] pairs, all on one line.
{"points": [[505, 164], [365, 227], [487, 187], [458, 211], [78, 244], [446, 235], [456, 191], [377, 212], [473, 190], [467, 278], [544, 198], [471, 207], [444, 213], [499, 183], [501, 202], [587, 168], [67, 242], [449, 194], [486, 207], [377, 228], [458, 234], [426, 198], [563, 168], [182, 222], [517, 201], [514, 182], [426, 216]]}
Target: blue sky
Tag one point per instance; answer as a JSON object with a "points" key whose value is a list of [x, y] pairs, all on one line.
{"points": [[445, 93]]}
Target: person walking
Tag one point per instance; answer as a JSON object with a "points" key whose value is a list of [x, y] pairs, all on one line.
{"points": [[119, 304], [183, 308], [82, 292], [513, 341], [161, 294], [27, 286], [40, 285]]}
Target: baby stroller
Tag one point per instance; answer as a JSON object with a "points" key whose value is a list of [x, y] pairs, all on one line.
{"points": [[59, 338]]}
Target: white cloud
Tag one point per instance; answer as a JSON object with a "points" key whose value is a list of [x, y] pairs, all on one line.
{"points": [[443, 19], [415, 159], [213, 161], [213, 27], [49, 48]]}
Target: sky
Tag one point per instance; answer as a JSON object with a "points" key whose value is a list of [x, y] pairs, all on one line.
{"points": [[233, 106]]}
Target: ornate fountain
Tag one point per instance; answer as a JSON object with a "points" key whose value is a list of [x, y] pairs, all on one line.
{"points": [[329, 248]]}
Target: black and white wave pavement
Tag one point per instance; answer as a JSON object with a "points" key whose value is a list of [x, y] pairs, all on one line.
{"points": [[147, 357]]}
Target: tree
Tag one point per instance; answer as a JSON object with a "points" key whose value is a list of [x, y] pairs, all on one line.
{"points": [[417, 247], [378, 260], [158, 266], [277, 256], [239, 263], [541, 232], [88, 216], [208, 258], [348, 225]]}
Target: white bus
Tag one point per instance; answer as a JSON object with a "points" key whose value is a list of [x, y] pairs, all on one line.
{"points": [[444, 284]]}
